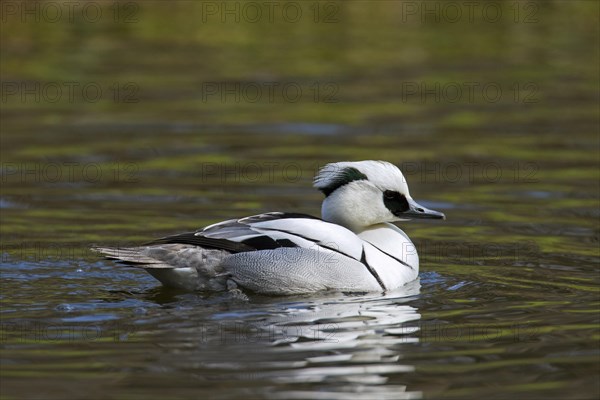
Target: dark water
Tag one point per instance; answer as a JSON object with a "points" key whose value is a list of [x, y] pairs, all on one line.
{"points": [[181, 116]]}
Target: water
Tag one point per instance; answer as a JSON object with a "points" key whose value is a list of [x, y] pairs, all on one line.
{"points": [[507, 301]]}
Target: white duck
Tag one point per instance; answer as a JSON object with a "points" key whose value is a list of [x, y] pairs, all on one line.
{"points": [[354, 248]]}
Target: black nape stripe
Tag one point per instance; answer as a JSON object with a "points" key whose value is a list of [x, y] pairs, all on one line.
{"points": [[363, 259], [343, 177]]}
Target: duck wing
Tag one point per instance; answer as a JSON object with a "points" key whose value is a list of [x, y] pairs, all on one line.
{"points": [[271, 231]]}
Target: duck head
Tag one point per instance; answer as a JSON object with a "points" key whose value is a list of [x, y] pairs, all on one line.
{"points": [[364, 193]]}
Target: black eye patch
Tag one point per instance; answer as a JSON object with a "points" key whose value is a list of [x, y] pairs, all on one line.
{"points": [[395, 202]]}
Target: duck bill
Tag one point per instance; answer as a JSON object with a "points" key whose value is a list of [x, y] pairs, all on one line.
{"points": [[417, 211]]}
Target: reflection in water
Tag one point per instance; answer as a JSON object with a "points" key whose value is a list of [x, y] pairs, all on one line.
{"points": [[351, 343]]}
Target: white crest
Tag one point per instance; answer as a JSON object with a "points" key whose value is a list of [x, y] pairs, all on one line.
{"points": [[382, 174]]}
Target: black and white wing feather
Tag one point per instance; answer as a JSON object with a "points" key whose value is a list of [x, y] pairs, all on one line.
{"points": [[271, 231]]}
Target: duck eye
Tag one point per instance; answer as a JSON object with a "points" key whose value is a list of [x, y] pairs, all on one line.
{"points": [[389, 194]]}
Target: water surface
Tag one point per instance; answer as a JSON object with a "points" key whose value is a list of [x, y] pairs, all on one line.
{"points": [[507, 301]]}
